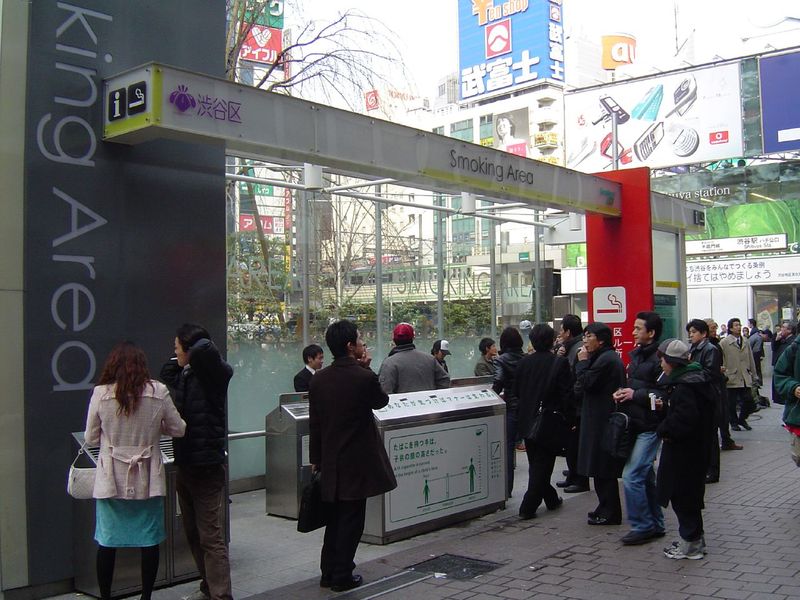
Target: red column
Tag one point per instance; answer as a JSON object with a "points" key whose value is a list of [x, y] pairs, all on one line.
{"points": [[619, 255]]}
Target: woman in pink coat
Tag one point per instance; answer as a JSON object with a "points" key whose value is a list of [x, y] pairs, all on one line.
{"points": [[128, 413]]}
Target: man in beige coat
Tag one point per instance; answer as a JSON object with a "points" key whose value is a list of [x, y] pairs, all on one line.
{"points": [[739, 367]]}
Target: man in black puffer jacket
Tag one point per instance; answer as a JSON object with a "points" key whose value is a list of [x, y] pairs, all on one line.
{"points": [[687, 431], [708, 355], [505, 368], [638, 476], [198, 380]]}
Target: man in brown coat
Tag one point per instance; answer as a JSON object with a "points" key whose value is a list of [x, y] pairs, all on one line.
{"points": [[346, 447]]}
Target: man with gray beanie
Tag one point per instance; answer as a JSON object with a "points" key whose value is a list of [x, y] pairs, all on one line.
{"points": [[686, 433]]}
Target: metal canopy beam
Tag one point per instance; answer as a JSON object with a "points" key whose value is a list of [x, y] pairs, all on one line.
{"points": [[180, 104]]}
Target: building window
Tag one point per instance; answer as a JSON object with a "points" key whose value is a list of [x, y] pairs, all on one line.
{"points": [[245, 73], [486, 130], [438, 130], [462, 130]]}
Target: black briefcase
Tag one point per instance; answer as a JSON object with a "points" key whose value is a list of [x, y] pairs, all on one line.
{"points": [[312, 514]]}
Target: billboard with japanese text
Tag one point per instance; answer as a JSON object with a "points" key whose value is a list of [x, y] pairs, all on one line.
{"points": [[269, 225], [261, 44], [508, 45], [678, 118]]}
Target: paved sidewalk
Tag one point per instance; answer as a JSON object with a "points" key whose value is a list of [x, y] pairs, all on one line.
{"points": [[752, 531], [752, 522]]}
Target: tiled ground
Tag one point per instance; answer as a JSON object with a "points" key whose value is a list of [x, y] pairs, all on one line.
{"points": [[752, 522]]}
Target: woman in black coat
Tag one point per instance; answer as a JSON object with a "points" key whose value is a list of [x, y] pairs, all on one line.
{"points": [[599, 372], [543, 381], [687, 432], [505, 369]]}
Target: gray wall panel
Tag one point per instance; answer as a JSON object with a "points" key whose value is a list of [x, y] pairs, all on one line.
{"points": [[157, 259]]}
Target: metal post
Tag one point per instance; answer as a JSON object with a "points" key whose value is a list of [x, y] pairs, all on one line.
{"points": [[304, 254], [492, 278], [537, 271], [378, 207], [614, 142], [440, 266]]}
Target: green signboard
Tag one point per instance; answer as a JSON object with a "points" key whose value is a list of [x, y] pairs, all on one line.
{"points": [[268, 13], [666, 305]]}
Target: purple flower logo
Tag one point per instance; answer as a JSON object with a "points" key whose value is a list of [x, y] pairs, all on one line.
{"points": [[182, 99]]}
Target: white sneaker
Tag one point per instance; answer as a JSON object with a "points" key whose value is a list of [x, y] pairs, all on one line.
{"points": [[683, 549], [703, 547], [198, 594]]}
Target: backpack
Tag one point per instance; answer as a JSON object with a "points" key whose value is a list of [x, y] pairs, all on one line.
{"points": [[790, 352], [617, 440]]}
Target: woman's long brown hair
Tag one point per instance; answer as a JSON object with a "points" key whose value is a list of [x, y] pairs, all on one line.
{"points": [[126, 366]]}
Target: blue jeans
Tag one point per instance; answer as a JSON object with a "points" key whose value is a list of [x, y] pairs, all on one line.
{"points": [[639, 483]]}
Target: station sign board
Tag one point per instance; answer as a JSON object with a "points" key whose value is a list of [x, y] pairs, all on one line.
{"points": [[754, 243]]}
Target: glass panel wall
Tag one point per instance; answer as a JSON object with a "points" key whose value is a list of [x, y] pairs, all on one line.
{"points": [[425, 255]]}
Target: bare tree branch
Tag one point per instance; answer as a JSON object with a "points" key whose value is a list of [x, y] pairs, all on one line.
{"points": [[334, 61]]}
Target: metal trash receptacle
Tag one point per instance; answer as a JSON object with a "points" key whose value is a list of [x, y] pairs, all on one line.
{"points": [[288, 464], [448, 451], [176, 562]]}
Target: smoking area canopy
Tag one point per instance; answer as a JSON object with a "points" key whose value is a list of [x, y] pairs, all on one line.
{"points": [[158, 101]]}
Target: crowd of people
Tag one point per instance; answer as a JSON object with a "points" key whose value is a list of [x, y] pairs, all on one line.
{"points": [[678, 401]]}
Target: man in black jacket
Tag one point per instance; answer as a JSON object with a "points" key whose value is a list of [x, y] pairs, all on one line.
{"points": [[346, 447], [198, 380], [709, 356], [570, 340], [639, 476], [313, 356]]}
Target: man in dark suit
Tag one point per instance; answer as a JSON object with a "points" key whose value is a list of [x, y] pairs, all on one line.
{"points": [[347, 448], [312, 356]]}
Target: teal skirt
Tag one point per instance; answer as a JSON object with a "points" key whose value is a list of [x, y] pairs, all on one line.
{"points": [[129, 523]]}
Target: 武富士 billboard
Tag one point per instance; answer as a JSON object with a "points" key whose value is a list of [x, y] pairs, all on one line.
{"points": [[503, 46]]}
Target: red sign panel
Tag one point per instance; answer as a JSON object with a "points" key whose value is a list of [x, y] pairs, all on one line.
{"points": [[372, 100], [718, 137], [287, 208], [498, 38], [619, 253], [261, 44], [270, 225]]}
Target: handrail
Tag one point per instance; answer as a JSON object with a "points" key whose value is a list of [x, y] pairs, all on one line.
{"points": [[243, 435]]}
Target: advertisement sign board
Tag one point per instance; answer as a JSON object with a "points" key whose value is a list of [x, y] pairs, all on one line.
{"points": [[261, 44], [618, 49], [679, 118], [270, 225], [508, 45], [780, 112], [512, 132]]}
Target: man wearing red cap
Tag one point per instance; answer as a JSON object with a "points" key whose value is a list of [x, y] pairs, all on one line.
{"points": [[406, 369]]}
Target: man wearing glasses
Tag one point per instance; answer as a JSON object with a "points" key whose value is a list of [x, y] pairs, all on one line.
{"points": [[346, 448]]}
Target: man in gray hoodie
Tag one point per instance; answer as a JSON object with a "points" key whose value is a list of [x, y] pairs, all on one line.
{"points": [[406, 369]]}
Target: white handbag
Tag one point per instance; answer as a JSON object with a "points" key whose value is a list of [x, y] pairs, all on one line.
{"points": [[80, 481]]}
